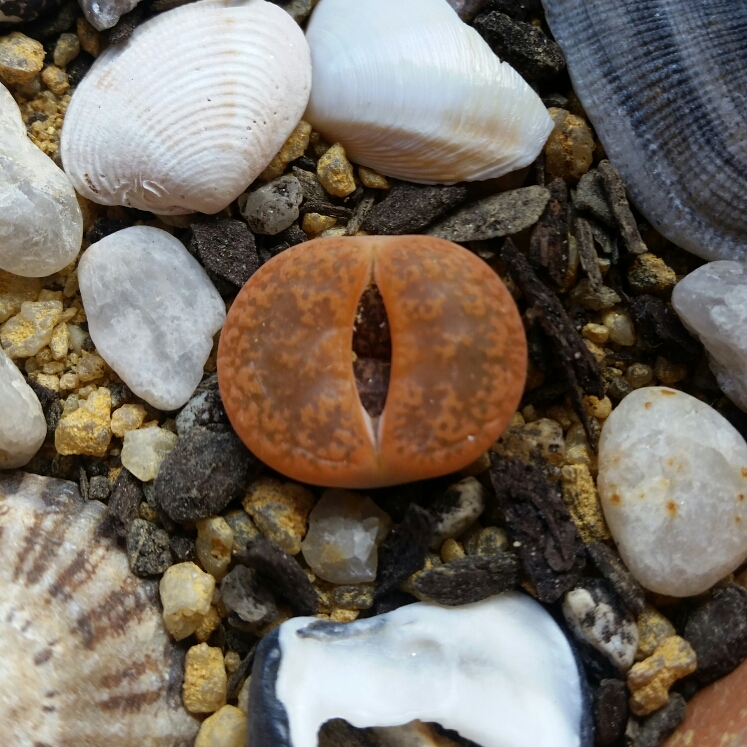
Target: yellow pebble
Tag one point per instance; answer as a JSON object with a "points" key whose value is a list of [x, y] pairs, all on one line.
{"points": [[372, 179], [597, 333], [208, 625], [69, 381], [598, 408], [231, 660], [205, 679], [89, 38], [186, 595], [451, 550], [21, 58], [60, 342], [90, 367], [581, 497], [335, 172], [14, 290], [225, 728], [87, 430], [214, 544], [293, 148], [314, 223], [649, 680], [343, 616], [55, 80], [653, 630], [29, 331], [127, 418]]}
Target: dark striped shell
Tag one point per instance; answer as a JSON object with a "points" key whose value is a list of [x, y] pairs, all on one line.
{"points": [[85, 660], [665, 84]]}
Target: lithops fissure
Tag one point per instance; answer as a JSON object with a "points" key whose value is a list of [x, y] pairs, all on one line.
{"points": [[239, 76], [84, 657], [500, 672], [41, 225], [285, 361], [413, 92], [665, 85]]}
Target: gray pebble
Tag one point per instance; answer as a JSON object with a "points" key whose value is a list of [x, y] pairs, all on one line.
{"points": [[408, 208], [183, 548], [611, 566], [457, 509], [467, 580], [273, 207], [310, 187], [99, 488], [226, 249], [203, 474], [717, 631], [610, 711], [203, 409], [590, 195], [244, 595], [148, 549], [503, 214], [657, 727], [585, 295], [597, 618], [244, 529], [123, 504]]}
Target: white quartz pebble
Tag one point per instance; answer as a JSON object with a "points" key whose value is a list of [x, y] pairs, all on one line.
{"points": [[143, 451], [22, 424], [500, 672], [41, 225], [712, 304], [345, 531], [673, 485], [152, 312]]}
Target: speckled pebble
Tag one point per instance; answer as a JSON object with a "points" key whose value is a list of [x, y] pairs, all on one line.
{"points": [[205, 679]]}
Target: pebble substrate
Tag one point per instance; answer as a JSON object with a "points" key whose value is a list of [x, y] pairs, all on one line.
{"points": [[593, 283]]}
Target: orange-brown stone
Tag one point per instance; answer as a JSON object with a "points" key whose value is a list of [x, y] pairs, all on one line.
{"points": [[717, 715], [285, 363]]}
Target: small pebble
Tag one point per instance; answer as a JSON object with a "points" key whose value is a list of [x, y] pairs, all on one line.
{"points": [[225, 728], [55, 79], [673, 485], [651, 274], [99, 488], [590, 195], [127, 418], [226, 248], [205, 679], [335, 172], [26, 333], [620, 326], [345, 531], [451, 550], [408, 208], [598, 408], [653, 630], [569, 151], [244, 529], [656, 728], [66, 49], [89, 38], [504, 214], [280, 511], [314, 223], [214, 545], [372, 179], [488, 541], [124, 502], [639, 374], [203, 474], [183, 548], [712, 303], [649, 680], [610, 565], [87, 429], [144, 450], [669, 373], [581, 497], [186, 595], [457, 509], [540, 441], [356, 597], [596, 616], [610, 711], [148, 549], [293, 148], [23, 427], [205, 408], [597, 333], [717, 631], [585, 295], [21, 58], [243, 595], [467, 580], [273, 207]]}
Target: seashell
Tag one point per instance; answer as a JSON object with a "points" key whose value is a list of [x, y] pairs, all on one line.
{"points": [[188, 112], [84, 656], [665, 83], [500, 672], [285, 362], [414, 93], [41, 226]]}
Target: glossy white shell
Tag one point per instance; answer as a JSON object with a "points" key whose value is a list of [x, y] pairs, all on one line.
{"points": [[413, 92], [187, 113]]}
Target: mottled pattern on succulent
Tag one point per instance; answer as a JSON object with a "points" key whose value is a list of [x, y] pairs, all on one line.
{"points": [[285, 361], [84, 657]]}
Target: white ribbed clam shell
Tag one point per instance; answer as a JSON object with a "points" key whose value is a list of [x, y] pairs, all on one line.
{"points": [[187, 113], [413, 92]]}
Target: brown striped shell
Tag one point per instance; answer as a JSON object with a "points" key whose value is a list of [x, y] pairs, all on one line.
{"points": [[286, 372], [85, 660]]}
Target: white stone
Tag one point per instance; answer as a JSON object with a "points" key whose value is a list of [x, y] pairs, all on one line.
{"points": [[152, 312], [345, 530], [500, 672], [186, 594], [673, 486], [712, 304], [22, 424], [143, 451], [41, 226], [103, 14]]}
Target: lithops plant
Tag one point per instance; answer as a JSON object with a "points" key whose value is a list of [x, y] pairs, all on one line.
{"points": [[41, 225], [285, 362], [500, 672], [186, 114], [84, 656], [665, 84], [413, 92]]}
